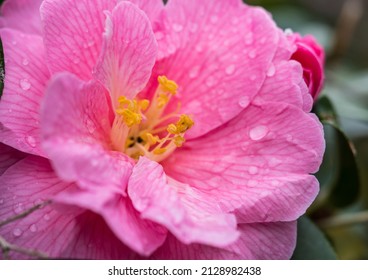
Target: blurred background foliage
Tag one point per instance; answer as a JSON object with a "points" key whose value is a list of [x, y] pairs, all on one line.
{"points": [[341, 27]]}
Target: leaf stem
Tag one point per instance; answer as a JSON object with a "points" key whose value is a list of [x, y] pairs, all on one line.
{"points": [[24, 214], [344, 220]]}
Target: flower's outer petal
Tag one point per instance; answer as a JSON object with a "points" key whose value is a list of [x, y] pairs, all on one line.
{"points": [[75, 126], [73, 34], [8, 157], [218, 52], [26, 75], [142, 236], [311, 56], [129, 51], [257, 241], [152, 8], [23, 15], [57, 230], [186, 212], [284, 80], [257, 163]]}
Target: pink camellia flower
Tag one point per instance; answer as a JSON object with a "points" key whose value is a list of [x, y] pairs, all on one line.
{"points": [[311, 56], [178, 131]]}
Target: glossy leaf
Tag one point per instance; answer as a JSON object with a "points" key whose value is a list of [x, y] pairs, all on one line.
{"points": [[338, 175], [312, 244], [325, 110], [2, 68]]}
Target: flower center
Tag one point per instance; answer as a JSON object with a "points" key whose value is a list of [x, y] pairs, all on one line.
{"points": [[139, 127]]}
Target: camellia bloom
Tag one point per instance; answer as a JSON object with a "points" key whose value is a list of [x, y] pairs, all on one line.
{"points": [[158, 131]]}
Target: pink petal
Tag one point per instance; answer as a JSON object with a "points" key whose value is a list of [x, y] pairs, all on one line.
{"points": [[76, 132], [73, 34], [152, 8], [186, 212], [258, 163], [129, 51], [219, 59], [140, 235], [25, 79], [8, 157], [23, 15], [256, 241], [284, 80], [311, 57]]}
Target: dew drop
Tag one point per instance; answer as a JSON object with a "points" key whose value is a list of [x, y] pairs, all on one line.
{"points": [[91, 127], [17, 232], [194, 72], [199, 48], [253, 77], [177, 27], [46, 217], [252, 183], [249, 39], [253, 170], [271, 71], [18, 208], [252, 54], [31, 141], [1, 201], [91, 43], [171, 49], [210, 81], [230, 70], [244, 101], [33, 228], [25, 84], [263, 40], [14, 42], [214, 19], [25, 62], [259, 132]]}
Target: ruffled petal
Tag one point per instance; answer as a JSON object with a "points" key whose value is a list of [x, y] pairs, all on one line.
{"points": [[219, 59], [26, 75], [258, 163], [129, 52], [284, 80], [186, 212], [76, 132], [152, 8], [8, 157], [73, 34], [142, 236], [23, 15], [256, 242]]}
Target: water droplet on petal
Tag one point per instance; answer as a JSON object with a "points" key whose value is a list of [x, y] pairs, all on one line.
{"points": [[259, 132], [252, 54], [177, 27], [33, 228], [18, 208], [194, 72], [91, 127], [14, 42], [244, 101], [230, 70], [46, 217], [214, 19], [252, 183], [210, 81], [31, 141], [17, 232], [25, 62], [253, 170], [25, 84], [193, 28], [271, 71], [253, 77], [1, 201], [199, 48]]}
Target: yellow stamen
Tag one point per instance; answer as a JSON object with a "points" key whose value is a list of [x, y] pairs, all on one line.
{"points": [[159, 151], [184, 123], [179, 140], [162, 100], [167, 85]]}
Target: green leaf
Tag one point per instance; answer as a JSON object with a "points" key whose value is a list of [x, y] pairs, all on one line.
{"points": [[2, 68], [311, 243], [338, 175], [325, 110]]}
